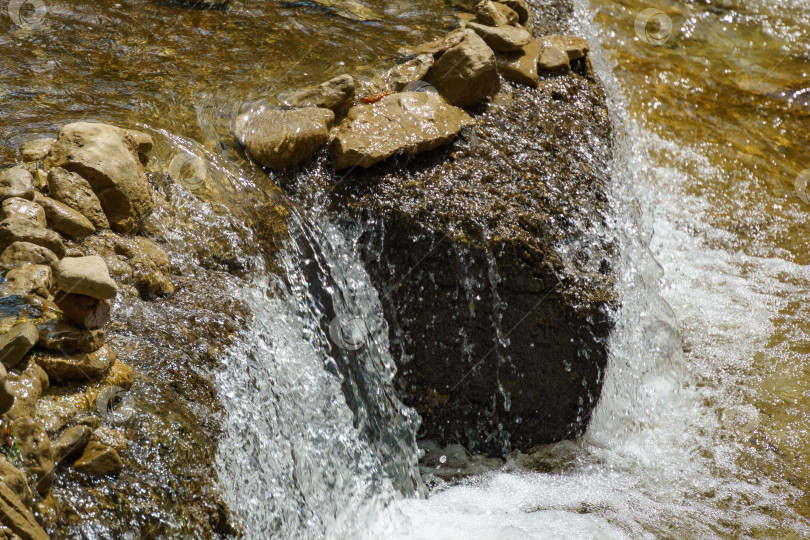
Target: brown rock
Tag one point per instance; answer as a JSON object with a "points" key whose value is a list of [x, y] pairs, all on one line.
{"points": [[521, 66], [575, 47], [149, 280], [114, 438], [437, 47], [28, 278], [99, 460], [334, 94], [396, 78], [16, 182], [78, 367], [84, 311], [35, 451], [409, 122], [15, 516], [61, 337], [466, 73], [21, 230], [502, 38], [143, 140], [26, 252], [138, 246], [71, 442], [521, 9], [511, 16], [487, 13], [6, 391], [17, 207], [15, 479], [278, 139], [65, 219], [27, 388], [16, 343], [36, 150], [74, 191], [554, 60], [107, 157]]}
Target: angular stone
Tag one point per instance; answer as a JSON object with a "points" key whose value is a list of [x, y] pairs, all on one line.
{"points": [[16, 480], [278, 139], [554, 60], [26, 252], [503, 38], [107, 157], [21, 230], [466, 73], [36, 150], [409, 122], [576, 47], [18, 518], [81, 367], [99, 460], [61, 337], [487, 13], [396, 78], [84, 311], [86, 275], [17, 207], [35, 451], [16, 182], [28, 278], [521, 66], [16, 343], [71, 442], [65, 219], [523, 12], [333, 94], [74, 191]]}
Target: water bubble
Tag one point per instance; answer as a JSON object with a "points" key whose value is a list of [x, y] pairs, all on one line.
{"points": [[801, 185], [115, 404], [653, 26], [27, 13], [443, 459]]}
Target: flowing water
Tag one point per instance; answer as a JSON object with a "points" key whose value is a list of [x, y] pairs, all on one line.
{"points": [[702, 427]]}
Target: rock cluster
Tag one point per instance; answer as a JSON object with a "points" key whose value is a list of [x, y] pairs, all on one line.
{"points": [[429, 87], [66, 213]]}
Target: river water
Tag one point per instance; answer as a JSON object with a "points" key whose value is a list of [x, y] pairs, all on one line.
{"points": [[703, 424]]}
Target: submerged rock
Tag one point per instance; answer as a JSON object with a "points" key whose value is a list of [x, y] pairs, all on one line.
{"points": [[78, 367], [98, 459], [466, 73], [407, 122], [278, 139], [398, 77], [333, 94], [6, 393], [58, 336], [71, 442]]}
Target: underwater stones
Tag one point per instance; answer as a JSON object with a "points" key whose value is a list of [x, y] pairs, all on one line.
{"points": [[98, 460], [16, 343], [17, 207], [335, 94], [21, 230], [554, 60], [278, 139], [75, 192], [80, 367], [86, 275], [35, 451], [37, 149], [503, 38], [17, 517], [59, 336], [466, 73], [408, 122], [84, 311], [65, 219], [22, 252], [521, 66], [16, 182], [70, 443], [107, 157]]}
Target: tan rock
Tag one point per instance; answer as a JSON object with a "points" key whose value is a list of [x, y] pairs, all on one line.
{"points": [[409, 122], [335, 94], [27, 388], [576, 47], [278, 139], [554, 60], [58, 336], [16, 343], [149, 280], [29, 278], [81, 367], [138, 246], [15, 516], [487, 13], [396, 78], [86, 275], [74, 191], [54, 412], [15, 479], [502, 38], [99, 460], [142, 140], [21, 230], [521, 66], [71, 443], [17, 207], [36, 150], [16, 182], [65, 219], [112, 437], [107, 157], [466, 73], [6, 391], [35, 451], [26, 252], [437, 47], [511, 16], [521, 9]]}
